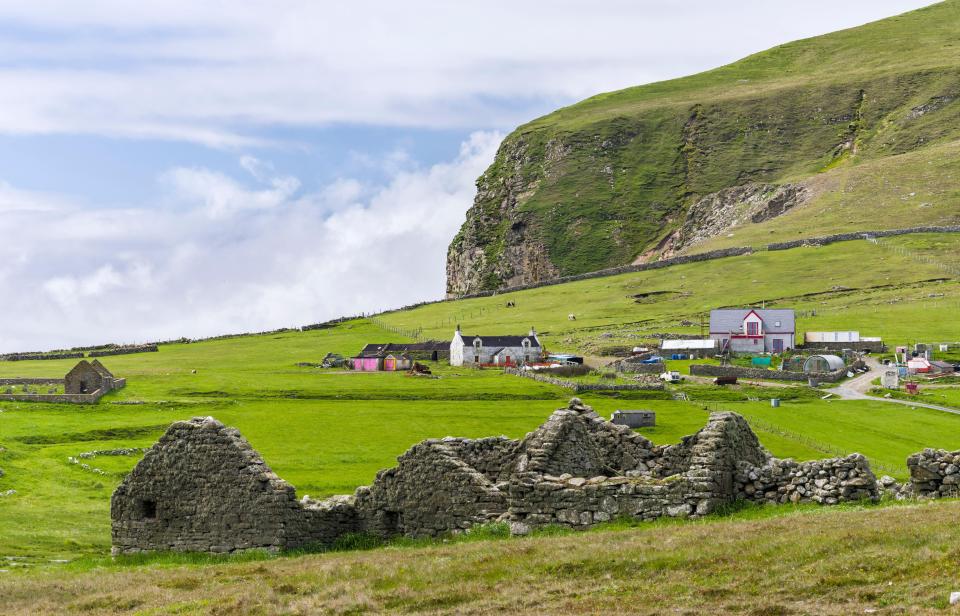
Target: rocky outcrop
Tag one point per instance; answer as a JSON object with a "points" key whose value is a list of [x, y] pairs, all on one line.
{"points": [[655, 169], [496, 246], [721, 211]]}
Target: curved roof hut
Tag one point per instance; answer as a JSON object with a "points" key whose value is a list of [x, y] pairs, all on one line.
{"points": [[823, 363]]}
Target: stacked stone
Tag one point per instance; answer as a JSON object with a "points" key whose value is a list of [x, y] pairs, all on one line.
{"points": [[578, 441], [203, 488], [635, 365], [826, 482], [322, 522], [430, 492], [934, 473], [643, 384], [493, 457]]}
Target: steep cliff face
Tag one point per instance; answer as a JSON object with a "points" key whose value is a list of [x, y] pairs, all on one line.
{"points": [[495, 246], [654, 170]]}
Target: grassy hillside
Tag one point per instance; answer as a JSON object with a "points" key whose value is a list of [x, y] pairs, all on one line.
{"points": [[890, 560], [328, 431], [598, 183]]}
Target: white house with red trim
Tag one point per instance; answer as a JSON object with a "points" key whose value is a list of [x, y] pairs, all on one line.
{"points": [[753, 330]]}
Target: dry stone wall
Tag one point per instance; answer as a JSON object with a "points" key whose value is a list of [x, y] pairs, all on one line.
{"points": [[651, 384], [761, 373], [934, 473], [432, 490], [203, 488]]}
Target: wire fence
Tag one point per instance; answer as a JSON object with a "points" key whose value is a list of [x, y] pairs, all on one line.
{"points": [[416, 334], [903, 251], [809, 442]]}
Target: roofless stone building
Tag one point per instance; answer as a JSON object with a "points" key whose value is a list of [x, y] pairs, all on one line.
{"points": [[202, 487]]}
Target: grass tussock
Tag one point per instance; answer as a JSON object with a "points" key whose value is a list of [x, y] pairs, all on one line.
{"points": [[749, 560]]}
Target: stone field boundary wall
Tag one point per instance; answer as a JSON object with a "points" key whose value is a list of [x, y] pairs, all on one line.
{"points": [[202, 487], [578, 387], [616, 271], [144, 348], [717, 254], [859, 235], [91, 398], [758, 373], [935, 473], [32, 381], [873, 347]]}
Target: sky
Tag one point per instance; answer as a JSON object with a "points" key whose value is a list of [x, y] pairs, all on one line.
{"points": [[186, 168]]}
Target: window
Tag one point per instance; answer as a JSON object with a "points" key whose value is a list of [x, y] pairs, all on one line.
{"points": [[753, 328], [148, 509]]}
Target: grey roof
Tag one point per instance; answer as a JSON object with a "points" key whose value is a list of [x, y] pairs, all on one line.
{"points": [[731, 320], [378, 349], [501, 341]]}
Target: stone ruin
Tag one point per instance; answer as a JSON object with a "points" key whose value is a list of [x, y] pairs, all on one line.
{"points": [[202, 487], [934, 473]]}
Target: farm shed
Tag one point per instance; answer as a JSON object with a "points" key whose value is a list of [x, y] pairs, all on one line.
{"points": [[940, 367], [823, 363], [695, 348], [831, 337], [366, 364], [919, 365]]}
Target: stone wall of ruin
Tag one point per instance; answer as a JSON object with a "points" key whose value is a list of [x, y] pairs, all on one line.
{"points": [[203, 488], [935, 473], [430, 492]]}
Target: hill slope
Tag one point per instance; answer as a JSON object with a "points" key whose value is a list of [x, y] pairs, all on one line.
{"points": [[615, 177]]}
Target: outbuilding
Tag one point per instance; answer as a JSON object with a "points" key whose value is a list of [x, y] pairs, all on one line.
{"points": [[693, 348], [919, 365], [823, 363]]}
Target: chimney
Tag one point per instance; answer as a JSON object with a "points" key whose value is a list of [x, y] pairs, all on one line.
{"points": [[533, 332]]}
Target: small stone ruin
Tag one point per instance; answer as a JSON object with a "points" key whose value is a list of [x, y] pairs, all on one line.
{"points": [[934, 473], [202, 487]]}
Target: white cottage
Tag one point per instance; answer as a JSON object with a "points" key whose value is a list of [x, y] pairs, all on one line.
{"points": [[496, 350], [750, 330]]}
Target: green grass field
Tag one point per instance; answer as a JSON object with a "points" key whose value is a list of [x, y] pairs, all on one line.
{"points": [[864, 118], [329, 431]]}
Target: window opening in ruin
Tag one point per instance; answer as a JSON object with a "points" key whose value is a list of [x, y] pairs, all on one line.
{"points": [[434, 356], [148, 509], [391, 521]]}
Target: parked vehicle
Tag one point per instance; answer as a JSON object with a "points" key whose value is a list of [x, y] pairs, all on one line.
{"points": [[671, 376]]}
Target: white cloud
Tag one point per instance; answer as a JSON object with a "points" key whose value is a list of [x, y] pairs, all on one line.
{"points": [[219, 256], [201, 72]]}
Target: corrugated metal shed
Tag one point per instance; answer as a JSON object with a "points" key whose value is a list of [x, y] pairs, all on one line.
{"points": [[688, 345], [832, 336]]}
